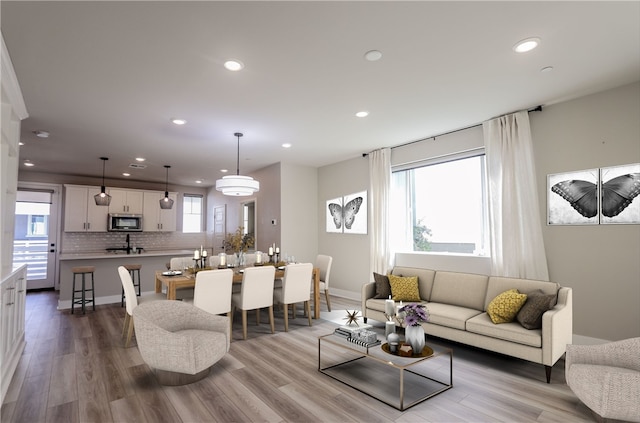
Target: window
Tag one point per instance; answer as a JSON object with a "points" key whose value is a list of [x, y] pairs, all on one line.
{"points": [[440, 207], [192, 213]]}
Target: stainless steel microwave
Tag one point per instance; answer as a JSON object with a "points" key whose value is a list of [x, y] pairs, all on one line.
{"points": [[120, 222]]}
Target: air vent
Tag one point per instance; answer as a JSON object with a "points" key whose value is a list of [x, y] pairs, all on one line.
{"points": [[137, 166]]}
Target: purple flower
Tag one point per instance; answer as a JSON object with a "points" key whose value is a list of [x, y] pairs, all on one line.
{"points": [[413, 314], [411, 320]]}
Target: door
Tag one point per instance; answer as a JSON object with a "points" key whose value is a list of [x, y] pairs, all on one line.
{"points": [[35, 236]]}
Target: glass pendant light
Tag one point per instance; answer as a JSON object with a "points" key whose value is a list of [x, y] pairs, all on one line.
{"points": [[102, 199], [237, 185], [166, 203]]}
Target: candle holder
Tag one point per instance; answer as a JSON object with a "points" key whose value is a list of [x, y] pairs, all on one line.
{"points": [[196, 263], [271, 258]]}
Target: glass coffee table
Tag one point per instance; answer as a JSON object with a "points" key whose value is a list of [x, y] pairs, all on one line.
{"points": [[401, 382]]}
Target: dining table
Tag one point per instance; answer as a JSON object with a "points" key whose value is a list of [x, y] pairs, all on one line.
{"points": [[176, 280]]}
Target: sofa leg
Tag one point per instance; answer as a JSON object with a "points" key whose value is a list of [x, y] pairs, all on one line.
{"points": [[365, 319], [547, 370]]}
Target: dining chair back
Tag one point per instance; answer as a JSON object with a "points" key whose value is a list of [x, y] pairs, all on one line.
{"points": [[296, 286], [180, 263], [323, 263], [256, 293], [249, 259], [213, 291]]}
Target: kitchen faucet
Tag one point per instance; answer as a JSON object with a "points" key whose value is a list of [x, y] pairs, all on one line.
{"points": [[128, 245]]}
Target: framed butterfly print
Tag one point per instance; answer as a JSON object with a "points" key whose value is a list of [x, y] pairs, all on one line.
{"points": [[595, 196], [347, 214]]}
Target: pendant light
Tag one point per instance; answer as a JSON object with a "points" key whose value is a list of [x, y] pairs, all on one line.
{"points": [[102, 199], [166, 203], [237, 185]]}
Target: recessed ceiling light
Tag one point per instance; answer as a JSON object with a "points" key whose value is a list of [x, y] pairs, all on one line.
{"points": [[286, 145], [178, 121], [373, 55], [140, 159], [199, 181], [546, 69], [28, 163], [233, 65], [126, 174], [41, 134], [223, 170], [362, 114], [20, 143], [526, 45]]}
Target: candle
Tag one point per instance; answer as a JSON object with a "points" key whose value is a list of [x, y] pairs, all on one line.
{"points": [[270, 251], [196, 254], [277, 250], [223, 259], [204, 253], [389, 328], [258, 257], [389, 307], [399, 307]]}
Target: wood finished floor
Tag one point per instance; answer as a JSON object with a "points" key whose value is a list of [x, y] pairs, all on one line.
{"points": [[75, 369]]}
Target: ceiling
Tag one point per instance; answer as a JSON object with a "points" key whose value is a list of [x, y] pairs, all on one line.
{"points": [[105, 78]]}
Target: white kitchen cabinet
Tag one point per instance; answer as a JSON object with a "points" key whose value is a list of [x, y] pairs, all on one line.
{"points": [[13, 291], [125, 201], [80, 211], [155, 219]]}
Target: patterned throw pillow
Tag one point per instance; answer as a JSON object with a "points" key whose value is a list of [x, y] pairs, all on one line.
{"points": [[530, 315], [505, 307], [383, 289], [404, 288]]}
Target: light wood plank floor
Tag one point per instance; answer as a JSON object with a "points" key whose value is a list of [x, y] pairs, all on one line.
{"points": [[75, 369]]}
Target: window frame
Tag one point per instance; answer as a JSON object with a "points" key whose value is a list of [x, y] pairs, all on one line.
{"points": [[185, 214]]}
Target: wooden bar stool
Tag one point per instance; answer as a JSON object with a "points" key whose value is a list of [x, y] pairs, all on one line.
{"points": [[82, 298], [134, 269]]}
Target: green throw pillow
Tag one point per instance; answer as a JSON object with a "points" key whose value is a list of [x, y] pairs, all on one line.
{"points": [[505, 307], [404, 288], [530, 315], [383, 288]]}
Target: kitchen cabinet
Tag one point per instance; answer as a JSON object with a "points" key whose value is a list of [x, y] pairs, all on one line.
{"points": [[155, 219], [80, 211], [13, 291], [125, 201]]}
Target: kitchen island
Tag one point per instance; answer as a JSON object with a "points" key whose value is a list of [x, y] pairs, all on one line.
{"points": [[108, 288]]}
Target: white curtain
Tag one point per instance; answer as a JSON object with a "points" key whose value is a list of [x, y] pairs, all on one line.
{"points": [[379, 189], [517, 247]]}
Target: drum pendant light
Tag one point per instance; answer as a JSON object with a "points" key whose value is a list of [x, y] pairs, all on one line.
{"points": [[102, 199], [237, 185], [166, 203]]}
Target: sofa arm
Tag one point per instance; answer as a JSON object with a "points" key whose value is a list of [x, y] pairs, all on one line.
{"points": [[368, 291], [557, 327]]}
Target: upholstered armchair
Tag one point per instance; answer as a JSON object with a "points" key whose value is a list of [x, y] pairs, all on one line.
{"points": [[179, 341], [606, 378]]}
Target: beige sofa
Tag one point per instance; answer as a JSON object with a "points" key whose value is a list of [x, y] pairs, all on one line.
{"points": [[457, 304]]}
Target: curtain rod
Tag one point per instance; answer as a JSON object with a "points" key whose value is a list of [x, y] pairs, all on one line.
{"points": [[535, 109]]}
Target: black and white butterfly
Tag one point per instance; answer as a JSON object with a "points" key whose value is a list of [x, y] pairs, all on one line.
{"points": [[345, 214], [616, 194]]}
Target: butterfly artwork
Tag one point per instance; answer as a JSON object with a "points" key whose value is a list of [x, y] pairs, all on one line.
{"points": [[347, 214], [606, 195]]}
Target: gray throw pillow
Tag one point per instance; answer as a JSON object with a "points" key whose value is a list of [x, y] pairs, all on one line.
{"points": [[383, 287], [530, 315]]}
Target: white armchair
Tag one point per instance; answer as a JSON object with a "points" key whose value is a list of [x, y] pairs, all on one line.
{"points": [[606, 378]]}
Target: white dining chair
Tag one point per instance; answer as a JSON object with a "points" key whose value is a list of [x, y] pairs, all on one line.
{"points": [[323, 263], [182, 263], [132, 301], [295, 288], [212, 292], [255, 293], [249, 259]]}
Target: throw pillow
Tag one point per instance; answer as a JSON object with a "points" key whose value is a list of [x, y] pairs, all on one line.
{"points": [[383, 288], [404, 288], [530, 315], [505, 307]]}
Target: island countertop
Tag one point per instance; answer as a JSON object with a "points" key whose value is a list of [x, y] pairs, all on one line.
{"points": [[120, 255]]}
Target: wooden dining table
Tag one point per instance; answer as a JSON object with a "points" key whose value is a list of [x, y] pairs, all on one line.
{"points": [[188, 280]]}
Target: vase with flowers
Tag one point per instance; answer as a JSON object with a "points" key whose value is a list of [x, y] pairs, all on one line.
{"points": [[238, 243], [410, 316]]}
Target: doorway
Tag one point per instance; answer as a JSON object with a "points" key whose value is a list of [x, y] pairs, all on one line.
{"points": [[35, 238]]}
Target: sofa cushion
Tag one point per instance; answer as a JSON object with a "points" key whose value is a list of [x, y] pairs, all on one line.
{"points": [[499, 284], [450, 315], [514, 332], [505, 307], [404, 288], [383, 289], [378, 304], [461, 289], [425, 278], [530, 315]]}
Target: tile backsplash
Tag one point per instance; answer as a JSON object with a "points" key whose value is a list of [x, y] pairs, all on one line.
{"points": [[90, 242]]}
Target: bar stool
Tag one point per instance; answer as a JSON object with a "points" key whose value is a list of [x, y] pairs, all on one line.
{"points": [[82, 299], [134, 269]]}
